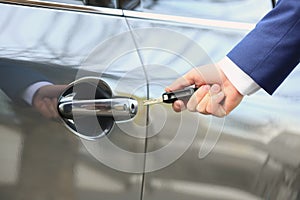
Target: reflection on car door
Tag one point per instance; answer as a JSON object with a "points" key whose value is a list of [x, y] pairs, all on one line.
{"points": [[40, 158]]}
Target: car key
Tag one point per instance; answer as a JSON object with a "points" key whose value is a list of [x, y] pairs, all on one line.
{"points": [[171, 97]]}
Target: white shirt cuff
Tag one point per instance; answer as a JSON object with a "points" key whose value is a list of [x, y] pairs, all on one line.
{"points": [[32, 89], [242, 81]]}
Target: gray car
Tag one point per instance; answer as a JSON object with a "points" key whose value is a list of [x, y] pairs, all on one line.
{"points": [[106, 58]]}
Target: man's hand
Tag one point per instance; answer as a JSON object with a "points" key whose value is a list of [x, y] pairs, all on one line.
{"points": [[45, 100], [216, 94]]}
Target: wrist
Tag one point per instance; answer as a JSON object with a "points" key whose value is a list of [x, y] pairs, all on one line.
{"points": [[239, 79]]}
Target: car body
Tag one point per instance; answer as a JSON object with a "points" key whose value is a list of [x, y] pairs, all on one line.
{"points": [[157, 153]]}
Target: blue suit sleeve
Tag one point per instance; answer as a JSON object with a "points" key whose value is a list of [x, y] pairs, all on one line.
{"points": [[15, 77], [270, 52]]}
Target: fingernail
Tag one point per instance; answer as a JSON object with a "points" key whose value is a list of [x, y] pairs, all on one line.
{"points": [[215, 88], [205, 87], [179, 106]]}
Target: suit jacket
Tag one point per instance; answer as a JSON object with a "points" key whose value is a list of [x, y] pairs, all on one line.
{"points": [[16, 76], [272, 49]]}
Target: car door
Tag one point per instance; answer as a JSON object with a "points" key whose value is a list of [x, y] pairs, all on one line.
{"points": [[192, 156], [80, 49], [105, 143]]}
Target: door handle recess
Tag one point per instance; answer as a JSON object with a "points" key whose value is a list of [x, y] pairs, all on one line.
{"points": [[88, 108]]}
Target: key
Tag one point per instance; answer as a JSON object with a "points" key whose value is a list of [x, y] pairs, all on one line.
{"points": [[171, 97]]}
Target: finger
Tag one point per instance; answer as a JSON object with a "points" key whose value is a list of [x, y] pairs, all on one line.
{"points": [[211, 105], [178, 84], [46, 108], [206, 74], [54, 108], [201, 107], [190, 78], [231, 102], [178, 106], [220, 111], [50, 103], [216, 96], [197, 97], [214, 107], [42, 107], [215, 89]]}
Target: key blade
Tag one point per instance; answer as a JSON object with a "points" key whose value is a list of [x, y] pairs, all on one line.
{"points": [[152, 101]]}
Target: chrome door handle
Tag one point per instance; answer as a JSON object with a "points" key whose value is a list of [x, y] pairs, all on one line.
{"points": [[119, 108], [89, 109]]}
